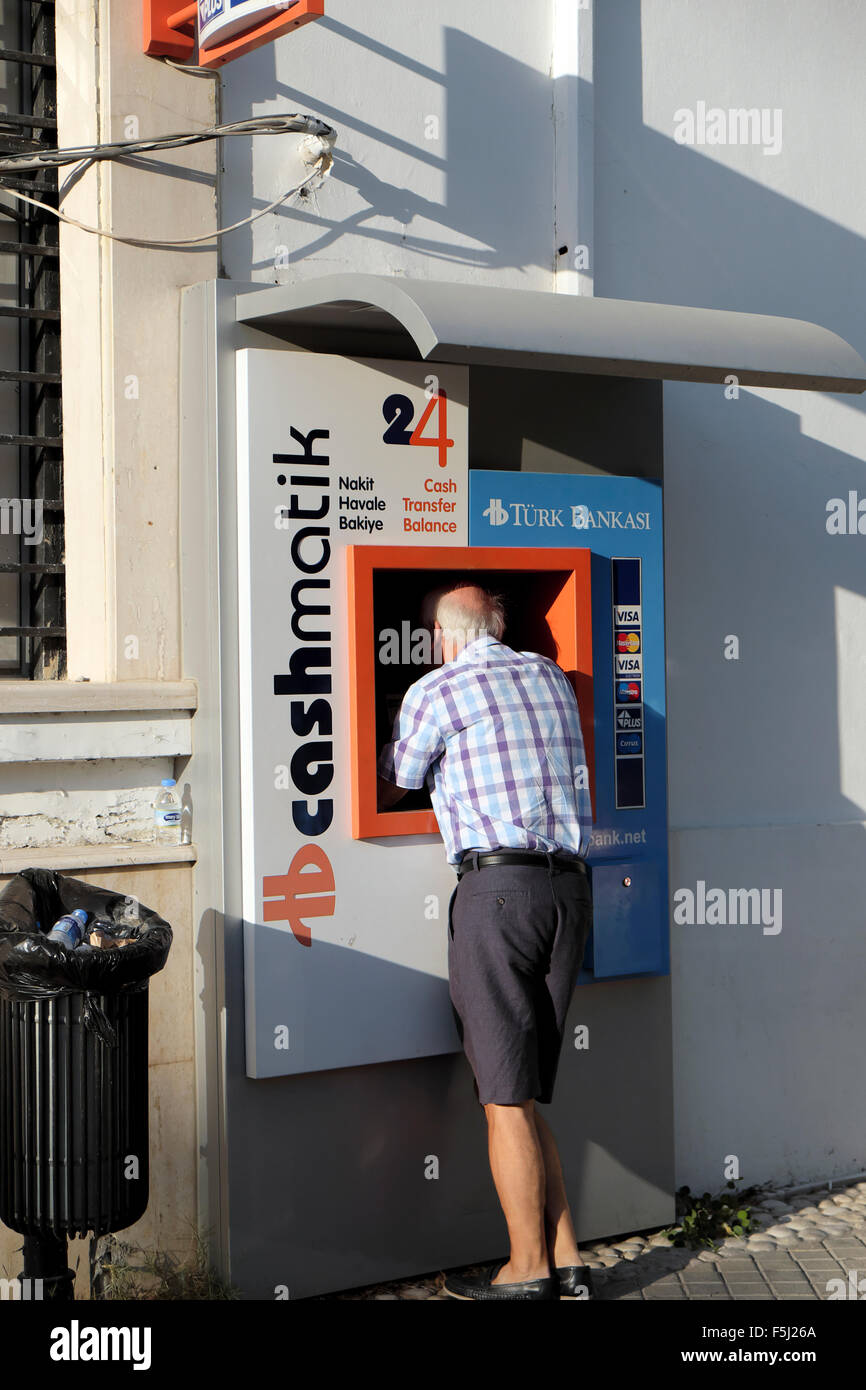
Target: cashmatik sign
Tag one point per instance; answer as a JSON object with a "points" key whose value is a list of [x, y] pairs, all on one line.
{"points": [[332, 453]]}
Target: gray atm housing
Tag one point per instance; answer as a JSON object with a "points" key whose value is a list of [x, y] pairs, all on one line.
{"points": [[317, 1183]]}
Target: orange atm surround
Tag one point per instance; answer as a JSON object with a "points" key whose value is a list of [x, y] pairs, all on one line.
{"points": [[565, 618]]}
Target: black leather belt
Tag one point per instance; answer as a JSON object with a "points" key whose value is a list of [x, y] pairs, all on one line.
{"points": [[519, 856]]}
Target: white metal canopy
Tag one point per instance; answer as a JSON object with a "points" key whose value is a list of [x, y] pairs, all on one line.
{"points": [[437, 321]]}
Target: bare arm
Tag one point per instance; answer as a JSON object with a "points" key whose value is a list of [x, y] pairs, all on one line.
{"points": [[388, 793]]}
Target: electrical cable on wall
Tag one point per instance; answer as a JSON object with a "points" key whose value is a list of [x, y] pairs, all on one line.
{"points": [[315, 149], [191, 68]]}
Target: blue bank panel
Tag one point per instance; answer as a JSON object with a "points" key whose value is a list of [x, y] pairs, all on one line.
{"points": [[620, 521]]}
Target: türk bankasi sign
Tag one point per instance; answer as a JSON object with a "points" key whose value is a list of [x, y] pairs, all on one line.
{"points": [[345, 940]]}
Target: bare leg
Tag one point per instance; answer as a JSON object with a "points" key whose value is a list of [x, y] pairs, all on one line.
{"points": [[517, 1165], [561, 1239]]}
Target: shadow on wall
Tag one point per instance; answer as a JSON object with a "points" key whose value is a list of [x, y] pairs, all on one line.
{"points": [[498, 175], [671, 223], [773, 739]]}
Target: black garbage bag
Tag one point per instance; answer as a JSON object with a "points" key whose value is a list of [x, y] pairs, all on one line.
{"points": [[32, 967], [73, 1061]]}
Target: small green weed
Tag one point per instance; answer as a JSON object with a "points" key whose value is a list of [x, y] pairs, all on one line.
{"points": [[706, 1219]]}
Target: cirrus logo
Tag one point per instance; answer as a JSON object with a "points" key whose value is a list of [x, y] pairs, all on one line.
{"points": [[629, 743]]}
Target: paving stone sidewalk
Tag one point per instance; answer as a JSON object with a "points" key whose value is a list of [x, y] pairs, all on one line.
{"points": [[800, 1243]]}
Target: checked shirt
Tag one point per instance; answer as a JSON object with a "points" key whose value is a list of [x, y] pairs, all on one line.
{"points": [[496, 736]]}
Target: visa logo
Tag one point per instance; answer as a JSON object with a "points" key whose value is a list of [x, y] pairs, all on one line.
{"points": [[626, 616], [628, 665]]}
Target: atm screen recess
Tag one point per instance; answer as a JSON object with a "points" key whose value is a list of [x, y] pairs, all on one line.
{"points": [[393, 593], [403, 613]]}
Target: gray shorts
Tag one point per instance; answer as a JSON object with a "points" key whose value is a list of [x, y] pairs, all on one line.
{"points": [[516, 938]]}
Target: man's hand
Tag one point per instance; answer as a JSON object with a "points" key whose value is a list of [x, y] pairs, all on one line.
{"points": [[388, 793]]}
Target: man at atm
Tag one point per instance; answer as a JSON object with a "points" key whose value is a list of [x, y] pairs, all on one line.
{"points": [[496, 735]]}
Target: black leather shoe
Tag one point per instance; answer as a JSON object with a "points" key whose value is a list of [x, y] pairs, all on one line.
{"points": [[481, 1286], [575, 1281]]}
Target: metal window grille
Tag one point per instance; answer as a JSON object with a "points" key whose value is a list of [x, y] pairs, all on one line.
{"points": [[32, 584]]}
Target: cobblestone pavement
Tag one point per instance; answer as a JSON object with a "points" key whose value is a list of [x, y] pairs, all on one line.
{"points": [[800, 1243]]}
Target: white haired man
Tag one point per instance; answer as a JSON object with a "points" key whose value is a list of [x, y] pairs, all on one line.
{"points": [[496, 735]]}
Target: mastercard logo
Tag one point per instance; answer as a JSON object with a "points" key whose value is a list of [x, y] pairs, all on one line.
{"points": [[627, 642]]}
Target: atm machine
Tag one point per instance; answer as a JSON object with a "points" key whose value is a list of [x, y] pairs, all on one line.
{"points": [[327, 499]]}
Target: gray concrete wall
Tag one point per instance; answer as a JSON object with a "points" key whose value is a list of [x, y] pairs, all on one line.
{"points": [[444, 167], [766, 776], [766, 754]]}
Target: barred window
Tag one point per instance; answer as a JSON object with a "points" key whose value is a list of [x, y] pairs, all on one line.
{"points": [[32, 590]]}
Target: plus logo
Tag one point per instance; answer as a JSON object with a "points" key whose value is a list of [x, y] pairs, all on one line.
{"points": [[629, 719], [496, 514]]}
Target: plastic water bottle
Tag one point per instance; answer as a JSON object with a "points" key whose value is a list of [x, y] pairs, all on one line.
{"points": [[166, 814], [69, 929]]}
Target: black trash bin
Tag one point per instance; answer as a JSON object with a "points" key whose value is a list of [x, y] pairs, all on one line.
{"points": [[73, 1070]]}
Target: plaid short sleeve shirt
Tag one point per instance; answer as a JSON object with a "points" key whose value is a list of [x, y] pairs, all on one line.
{"points": [[496, 736]]}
